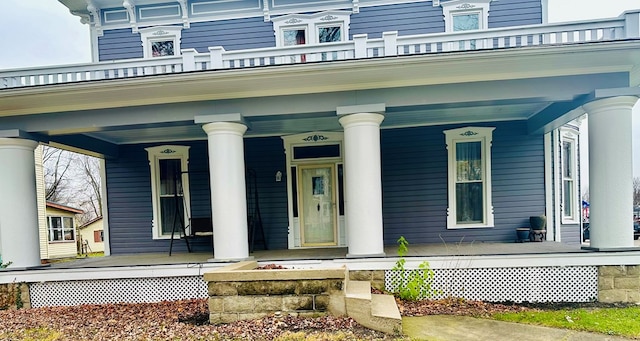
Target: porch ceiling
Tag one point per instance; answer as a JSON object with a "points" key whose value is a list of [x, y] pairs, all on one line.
{"points": [[475, 86]]}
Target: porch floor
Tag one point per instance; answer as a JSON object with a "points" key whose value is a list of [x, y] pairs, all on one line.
{"points": [[417, 250]]}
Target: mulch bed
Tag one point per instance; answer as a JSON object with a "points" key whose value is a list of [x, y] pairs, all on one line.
{"points": [[188, 320]]}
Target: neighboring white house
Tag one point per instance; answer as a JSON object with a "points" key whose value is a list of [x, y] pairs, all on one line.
{"points": [[91, 234]]}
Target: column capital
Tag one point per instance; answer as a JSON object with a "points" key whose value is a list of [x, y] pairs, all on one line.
{"points": [[610, 103], [17, 142], [224, 127], [361, 118]]}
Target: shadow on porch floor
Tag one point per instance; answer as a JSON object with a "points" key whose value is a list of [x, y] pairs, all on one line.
{"points": [[417, 250]]}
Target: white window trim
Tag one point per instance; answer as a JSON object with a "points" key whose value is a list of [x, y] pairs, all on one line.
{"points": [[311, 23], [64, 228], [469, 134], [160, 33], [571, 137], [155, 155], [457, 7]]}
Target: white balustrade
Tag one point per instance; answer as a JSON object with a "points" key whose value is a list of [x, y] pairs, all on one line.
{"points": [[391, 44]]}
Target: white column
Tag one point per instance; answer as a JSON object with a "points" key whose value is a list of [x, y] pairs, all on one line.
{"points": [[228, 194], [610, 173], [363, 184], [19, 241]]}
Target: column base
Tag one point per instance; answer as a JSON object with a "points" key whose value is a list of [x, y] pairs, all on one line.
{"points": [[233, 260], [371, 255], [611, 249]]}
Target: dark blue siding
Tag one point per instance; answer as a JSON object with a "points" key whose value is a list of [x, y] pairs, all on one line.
{"points": [[237, 34], [266, 157], [515, 13], [414, 162], [129, 194], [570, 234], [407, 19], [129, 198], [119, 44]]}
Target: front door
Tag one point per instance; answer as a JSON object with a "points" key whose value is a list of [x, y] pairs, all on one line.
{"points": [[318, 204]]}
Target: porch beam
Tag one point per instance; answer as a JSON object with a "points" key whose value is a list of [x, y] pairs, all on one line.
{"points": [[558, 114], [85, 145]]}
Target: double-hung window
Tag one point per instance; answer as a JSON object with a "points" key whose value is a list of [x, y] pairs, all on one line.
{"points": [[161, 41], [469, 177], [304, 29], [61, 229], [462, 16], [570, 210], [169, 189]]}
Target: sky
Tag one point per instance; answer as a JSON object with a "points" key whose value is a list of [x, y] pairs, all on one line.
{"points": [[43, 32]]}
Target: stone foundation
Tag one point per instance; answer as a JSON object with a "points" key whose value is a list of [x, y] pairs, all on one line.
{"points": [[619, 283], [238, 292], [14, 296], [375, 277]]}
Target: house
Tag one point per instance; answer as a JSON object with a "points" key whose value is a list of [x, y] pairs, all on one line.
{"points": [[92, 235], [343, 123], [60, 232]]}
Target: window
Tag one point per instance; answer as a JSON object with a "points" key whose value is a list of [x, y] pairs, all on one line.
{"points": [[466, 16], [469, 174], [319, 28], [98, 236], [61, 229], [569, 177], [169, 189], [161, 41]]}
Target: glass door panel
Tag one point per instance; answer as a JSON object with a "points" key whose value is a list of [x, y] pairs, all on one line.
{"points": [[318, 205]]}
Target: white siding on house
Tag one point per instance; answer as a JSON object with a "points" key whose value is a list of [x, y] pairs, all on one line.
{"points": [[42, 203]]}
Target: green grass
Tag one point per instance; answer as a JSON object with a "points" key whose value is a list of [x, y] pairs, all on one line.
{"points": [[610, 321]]}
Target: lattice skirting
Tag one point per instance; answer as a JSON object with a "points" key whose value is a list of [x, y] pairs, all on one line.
{"points": [[132, 290], [531, 284]]}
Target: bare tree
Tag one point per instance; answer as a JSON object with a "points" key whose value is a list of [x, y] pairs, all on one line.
{"points": [[57, 163], [636, 191], [73, 179]]}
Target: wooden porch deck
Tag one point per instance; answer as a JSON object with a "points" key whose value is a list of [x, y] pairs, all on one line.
{"points": [[419, 250]]}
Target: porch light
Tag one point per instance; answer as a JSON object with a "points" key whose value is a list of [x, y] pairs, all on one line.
{"points": [[278, 176]]}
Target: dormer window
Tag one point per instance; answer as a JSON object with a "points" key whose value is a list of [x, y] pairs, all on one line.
{"points": [[301, 29], [161, 41]]}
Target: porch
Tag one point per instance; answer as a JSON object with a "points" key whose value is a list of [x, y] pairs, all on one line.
{"points": [[335, 255], [534, 272]]}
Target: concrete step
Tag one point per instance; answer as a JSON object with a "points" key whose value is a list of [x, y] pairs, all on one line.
{"points": [[384, 306], [385, 314], [377, 312], [359, 290]]}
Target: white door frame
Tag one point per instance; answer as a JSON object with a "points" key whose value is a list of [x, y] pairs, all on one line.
{"points": [[306, 140]]}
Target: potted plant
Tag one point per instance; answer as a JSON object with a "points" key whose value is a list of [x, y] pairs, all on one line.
{"points": [[538, 222]]}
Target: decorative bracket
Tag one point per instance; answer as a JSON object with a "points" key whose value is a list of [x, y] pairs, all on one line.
{"points": [[95, 13], [356, 6], [265, 10], [130, 6], [185, 13]]}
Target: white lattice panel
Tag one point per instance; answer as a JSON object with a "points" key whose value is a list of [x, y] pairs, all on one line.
{"points": [[533, 284], [136, 290]]}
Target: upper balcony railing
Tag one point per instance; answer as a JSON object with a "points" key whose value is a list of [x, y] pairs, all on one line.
{"points": [[626, 26]]}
